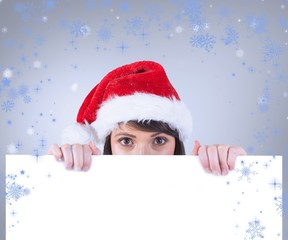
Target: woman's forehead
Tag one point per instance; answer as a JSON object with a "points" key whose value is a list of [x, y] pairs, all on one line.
{"points": [[127, 127], [130, 129]]}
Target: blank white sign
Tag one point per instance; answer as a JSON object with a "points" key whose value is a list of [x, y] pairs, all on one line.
{"points": [[142, 197]]}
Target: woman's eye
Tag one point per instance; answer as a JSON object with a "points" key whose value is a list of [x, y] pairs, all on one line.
{"points": [[126, 141], [160, 140]]}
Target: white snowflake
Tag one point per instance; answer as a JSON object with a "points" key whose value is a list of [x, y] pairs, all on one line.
{"points": [[7, 73], [246, 171], [15, 191], [86, 30], [179, 29], [206, 26], [231, 36], [255, 230], [205, 41], [26, 99], [44, 19], [30, 131], [37, 64], [199, 26], [279, 205], [196, 27], [271, 52], [263, 100], [240, 53], [11, 148], [7, 106], [74, 87], [79, 29]]}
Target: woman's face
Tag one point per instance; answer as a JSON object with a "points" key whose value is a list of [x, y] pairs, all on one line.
{"points": [[126, 140]]}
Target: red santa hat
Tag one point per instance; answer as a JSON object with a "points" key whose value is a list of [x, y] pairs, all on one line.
{"points": [[138, 91]]}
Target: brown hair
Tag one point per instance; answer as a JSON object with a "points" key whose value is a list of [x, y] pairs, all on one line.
{"points": [[150, 126]]}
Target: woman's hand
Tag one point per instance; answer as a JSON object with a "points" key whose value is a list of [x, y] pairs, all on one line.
{"points": [[218, 159], [75, 156]]}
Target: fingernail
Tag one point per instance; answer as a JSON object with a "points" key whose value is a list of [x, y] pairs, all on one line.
{"points": [[208, 170], [78, 169], [224, 172], [85, 169]]}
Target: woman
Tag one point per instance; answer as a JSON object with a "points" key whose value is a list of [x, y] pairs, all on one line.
{"points": [[134, 109]]}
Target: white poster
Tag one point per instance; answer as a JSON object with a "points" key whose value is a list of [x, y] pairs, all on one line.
{"points": [[143, 197]]}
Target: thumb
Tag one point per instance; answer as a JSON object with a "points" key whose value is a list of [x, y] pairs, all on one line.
{"points": [[196, 147], [95, 150]]}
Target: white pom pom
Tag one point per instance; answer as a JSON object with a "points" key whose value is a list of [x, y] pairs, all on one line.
{"points": [[79, 134]]}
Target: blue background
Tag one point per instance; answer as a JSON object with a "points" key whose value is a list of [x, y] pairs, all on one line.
{"points": [[227, 60]]}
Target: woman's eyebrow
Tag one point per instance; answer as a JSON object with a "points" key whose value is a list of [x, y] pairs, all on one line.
{"points": [[156, 134], [124, 134]]}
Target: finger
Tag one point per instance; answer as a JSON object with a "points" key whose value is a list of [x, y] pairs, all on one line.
{"points": [[233, 153], [196, 148], [77, 154], [95, 150], [203, 157], [51, 149], [223, 154], [87, 157], [56, 152], [213, 159], [67, 155]]}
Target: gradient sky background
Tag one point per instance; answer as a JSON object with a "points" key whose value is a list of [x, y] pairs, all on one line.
{"points": [[227, 60]]}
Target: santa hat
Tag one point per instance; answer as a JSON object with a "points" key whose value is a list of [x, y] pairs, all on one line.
{"points": [[138, 91]]}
